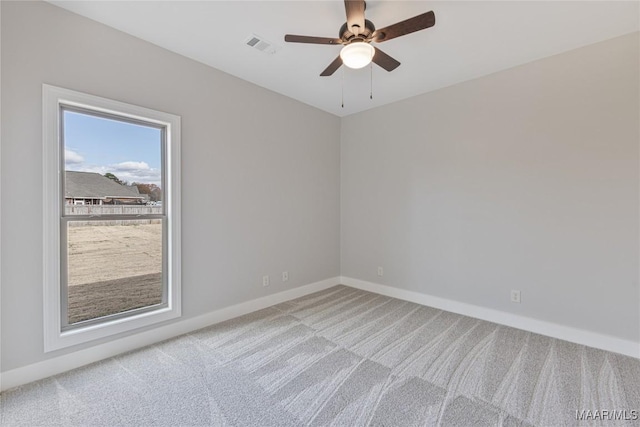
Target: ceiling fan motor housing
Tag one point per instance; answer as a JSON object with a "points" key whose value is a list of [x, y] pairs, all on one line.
{"points": [[365, 35]]}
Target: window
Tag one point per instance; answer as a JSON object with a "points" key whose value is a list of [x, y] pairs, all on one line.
{"points": [[111, 217]]}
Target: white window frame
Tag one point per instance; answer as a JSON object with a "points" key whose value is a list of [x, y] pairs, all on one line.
{"points": [[53, 172]]}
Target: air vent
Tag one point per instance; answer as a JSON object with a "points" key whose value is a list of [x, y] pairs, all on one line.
{"points": [[259, 43]]}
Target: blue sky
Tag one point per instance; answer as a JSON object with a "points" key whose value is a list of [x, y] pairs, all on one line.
{"points": [[95, 144]]}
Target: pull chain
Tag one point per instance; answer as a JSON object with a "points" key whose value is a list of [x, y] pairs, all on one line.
{"points": [[342, 99], [371, 81]]}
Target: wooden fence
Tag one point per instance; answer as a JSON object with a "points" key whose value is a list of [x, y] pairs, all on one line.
{"points": [[71, 210]]}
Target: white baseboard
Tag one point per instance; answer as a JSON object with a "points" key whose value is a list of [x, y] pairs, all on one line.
{"points": [[59, 364], [567, 333]]}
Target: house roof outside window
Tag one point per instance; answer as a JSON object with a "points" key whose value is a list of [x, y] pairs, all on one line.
{"points": [[92, 185]]}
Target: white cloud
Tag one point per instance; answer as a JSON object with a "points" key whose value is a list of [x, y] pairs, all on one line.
{"points": [[72, 158], [132, 171], [131, 166], [152, 176]]}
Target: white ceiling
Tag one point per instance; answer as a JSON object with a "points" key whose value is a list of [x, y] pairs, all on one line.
{"points": [[470, 39]]}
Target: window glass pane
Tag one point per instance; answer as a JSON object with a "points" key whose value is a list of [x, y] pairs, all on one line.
{"points": [[113, 267], [110, 162]]}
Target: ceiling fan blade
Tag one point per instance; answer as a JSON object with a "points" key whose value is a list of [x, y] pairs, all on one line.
{"points": [[332, 67], [384, 60], [310, 39], [407, 26], [355, 15]]}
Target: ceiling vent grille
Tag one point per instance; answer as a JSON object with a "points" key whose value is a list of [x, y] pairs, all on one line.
{"points": [[259, 43]]}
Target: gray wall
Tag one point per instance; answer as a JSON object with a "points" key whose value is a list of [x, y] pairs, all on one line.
{"points": [[260, 171], [525, 179]]}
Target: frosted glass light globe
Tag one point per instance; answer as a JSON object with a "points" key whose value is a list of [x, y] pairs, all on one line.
{"points": [[357, 55]]}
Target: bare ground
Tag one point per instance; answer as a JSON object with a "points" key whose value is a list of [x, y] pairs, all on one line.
{"points": [[112, 269], [99, 299]]}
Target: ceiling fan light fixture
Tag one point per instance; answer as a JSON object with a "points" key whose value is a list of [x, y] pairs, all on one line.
{"points": [[357, 55]]}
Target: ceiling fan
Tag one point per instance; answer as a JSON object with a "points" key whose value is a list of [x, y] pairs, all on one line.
{"points": [[357, 34]]}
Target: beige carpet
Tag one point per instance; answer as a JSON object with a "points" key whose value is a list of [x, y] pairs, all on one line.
{"points": [[341, 357]]}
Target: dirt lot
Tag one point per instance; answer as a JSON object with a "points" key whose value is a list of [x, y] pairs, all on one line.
{"points": [[98, 253], [113, 269]]}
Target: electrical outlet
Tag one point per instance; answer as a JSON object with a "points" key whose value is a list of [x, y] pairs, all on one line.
{"points": [[265, 280], [515, 296], [285, 276], [380, 271]]}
